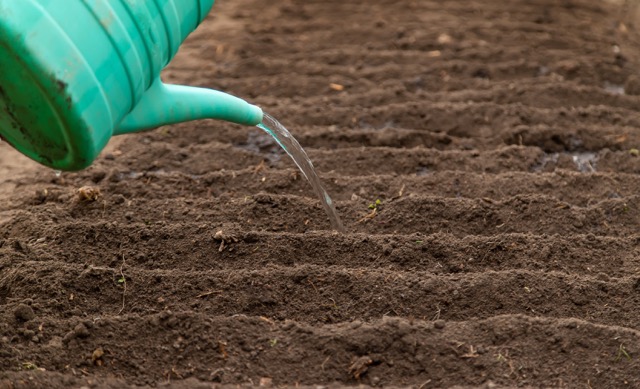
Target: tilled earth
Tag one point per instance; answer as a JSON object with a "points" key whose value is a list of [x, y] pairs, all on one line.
{"points": [[500, 138]]}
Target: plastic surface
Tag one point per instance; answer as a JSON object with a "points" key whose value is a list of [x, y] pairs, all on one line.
{"points": [[75, 72], [176, 103]]}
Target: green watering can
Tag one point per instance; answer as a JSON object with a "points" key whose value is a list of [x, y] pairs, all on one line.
{"points": [[73, 73]]}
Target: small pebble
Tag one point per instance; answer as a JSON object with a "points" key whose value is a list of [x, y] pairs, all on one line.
{"points": [[439, 324]]}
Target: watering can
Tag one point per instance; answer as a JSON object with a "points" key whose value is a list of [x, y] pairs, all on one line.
{"points": [[73, 73]]}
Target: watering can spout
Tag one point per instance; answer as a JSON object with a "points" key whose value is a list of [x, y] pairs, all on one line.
{"points": [[164, 104]]}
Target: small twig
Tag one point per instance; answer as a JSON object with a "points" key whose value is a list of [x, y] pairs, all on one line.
{"points": [[473, 353], [424, 384], [260, 167], [205, 294], [325, 361], [314, 287], [174, 371], [437, 315], [124, 285], [369, 216]]}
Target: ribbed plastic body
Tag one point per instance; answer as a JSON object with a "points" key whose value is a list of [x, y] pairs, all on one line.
{"points": [[72, 70]]}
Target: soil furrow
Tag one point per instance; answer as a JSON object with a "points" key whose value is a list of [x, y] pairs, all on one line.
{"points": [[414, 213], [569, 187], [404, 126], [165, 248], [393, 351], [317, 294], [359, 161]]}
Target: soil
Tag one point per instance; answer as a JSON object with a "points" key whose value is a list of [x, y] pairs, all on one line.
{"points": [[501, 139]]}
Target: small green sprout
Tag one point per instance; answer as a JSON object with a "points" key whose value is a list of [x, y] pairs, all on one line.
{"points": [[376, 204], [622, 352], [29, 366], [273, 342]]}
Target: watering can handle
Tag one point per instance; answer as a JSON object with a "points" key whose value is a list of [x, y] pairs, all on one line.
{"points": [[164, 104]]}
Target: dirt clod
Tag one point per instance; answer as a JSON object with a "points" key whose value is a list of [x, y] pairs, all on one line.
{"points": [[24, 312], [80, 331]]}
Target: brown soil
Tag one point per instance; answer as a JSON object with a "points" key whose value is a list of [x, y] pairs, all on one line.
{"points": [[500, 137]]}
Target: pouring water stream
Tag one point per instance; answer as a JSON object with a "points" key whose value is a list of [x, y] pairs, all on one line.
{"points": [[299, 156]]}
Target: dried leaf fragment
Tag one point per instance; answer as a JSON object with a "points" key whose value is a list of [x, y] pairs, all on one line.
{"points": [[360, 366], [89, 193]]}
